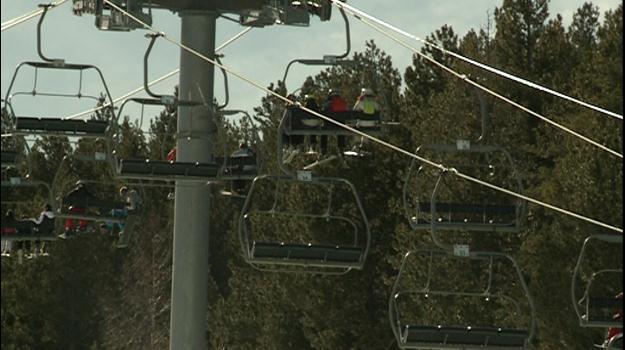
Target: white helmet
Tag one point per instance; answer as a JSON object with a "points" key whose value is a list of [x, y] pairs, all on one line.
{"points": [[367, 92]]}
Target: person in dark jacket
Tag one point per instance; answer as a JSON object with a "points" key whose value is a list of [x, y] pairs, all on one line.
{"points": [[311, 103], [77, 200]]}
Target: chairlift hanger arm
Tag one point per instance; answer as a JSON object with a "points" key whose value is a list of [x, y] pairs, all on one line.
{"points": [[146, 85], [330, 60], [56, 61], [166, 99], [227, 89]]}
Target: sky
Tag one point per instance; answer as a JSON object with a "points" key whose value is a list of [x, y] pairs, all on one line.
{"points": [[261, 55]]}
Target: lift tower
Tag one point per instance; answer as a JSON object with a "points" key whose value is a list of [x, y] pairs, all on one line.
{"points": [[196, 129]]}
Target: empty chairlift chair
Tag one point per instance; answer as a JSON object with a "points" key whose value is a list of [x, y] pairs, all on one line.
{"points": [[53, 125], [597, 280], [438, 201], [162, 170], [486, 307], [312, 225]]}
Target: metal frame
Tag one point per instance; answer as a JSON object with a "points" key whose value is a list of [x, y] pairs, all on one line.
{"points": [[395, 314], [515, 226], [156, 100], [581, 304], [362, 234]]}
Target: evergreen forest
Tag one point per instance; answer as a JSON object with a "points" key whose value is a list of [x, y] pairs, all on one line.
{"points": [[90, 295]]}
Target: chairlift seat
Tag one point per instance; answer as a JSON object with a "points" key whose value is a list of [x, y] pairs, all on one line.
{"points": [[167, 170], [26, 230], [9, 158], [473, 217], [601, 312], [300, 122], [61, 126], [241, 164], [102, 205], [606, 303], [271, 251], [488, 210], [464, 338]]}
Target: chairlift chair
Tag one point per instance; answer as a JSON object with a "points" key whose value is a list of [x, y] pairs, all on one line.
{"points": [[161, 170], [444, 318], [158, 170], [596, 305], [96, 209], [27, 230], [103, 207], [53, 126], [267, 250], [437, 213]]}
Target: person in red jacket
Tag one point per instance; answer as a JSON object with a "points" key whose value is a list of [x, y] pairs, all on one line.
{"points": [[334, 103]]}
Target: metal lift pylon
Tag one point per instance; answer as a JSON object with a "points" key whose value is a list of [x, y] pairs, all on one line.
{"points": [[191, 220]]}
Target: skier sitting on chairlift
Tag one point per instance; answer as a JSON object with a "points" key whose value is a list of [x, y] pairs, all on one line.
{"points": [[77, 200], [366, 102], [133, 205], [45, 225], [311, 103], [334, 103]]}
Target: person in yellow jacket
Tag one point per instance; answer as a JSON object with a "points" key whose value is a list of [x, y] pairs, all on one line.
{"points": [[366, 102]]}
